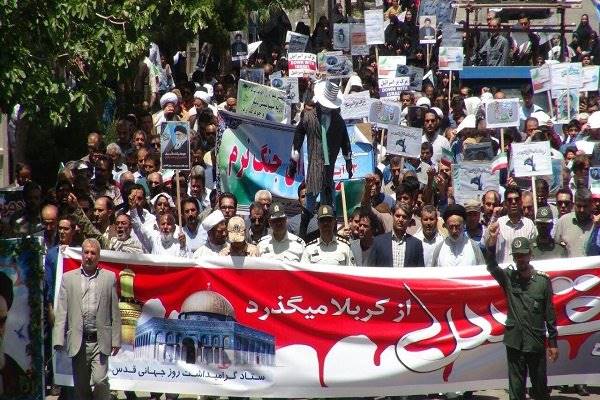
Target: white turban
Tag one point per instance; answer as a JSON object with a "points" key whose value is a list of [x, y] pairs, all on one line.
{"points": [[423, 101], [209, 89], [202, 95], [168, 97]]}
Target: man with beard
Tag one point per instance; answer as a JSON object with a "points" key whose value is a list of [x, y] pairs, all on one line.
{"points": [[574, 229], [216, 226], [544, 247], [328, 249], [49, 220], [27, 220], [155, 184], [489, 202], [103, 215], [198, 189], [237, 245], [457, 250], [195, 235], [228, 205], [103, 184], [312, 230], [280, 245], [564, 201], [12, 377], [433, 135], [368, 227], [168, 103], [258, 223], [429, 235]]}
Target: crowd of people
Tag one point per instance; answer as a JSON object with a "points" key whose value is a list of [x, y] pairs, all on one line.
{"points": [[118, 195]]}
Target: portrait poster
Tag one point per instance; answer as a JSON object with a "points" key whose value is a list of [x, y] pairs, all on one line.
{"points": [[11, 201], [502, 113], [374, 26], [387, 66], [302, 65], [289, 85], [594, 180], [384, 114], [451, 58], [567, 105], [404, 141], [238, 41], [442, 9], [21, 340], [356, 105], [472, 179], [566, 75], [414, 74], [334, 64], [427, 29], [256, 75], [590, 78], [358, 40], [451, 36], [540, 78], [204, 56], [261, 101], [175, 145], [531, 159], [296, 42], [341, 37]]}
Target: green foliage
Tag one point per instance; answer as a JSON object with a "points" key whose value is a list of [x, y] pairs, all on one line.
{"points": [[61, 58]]}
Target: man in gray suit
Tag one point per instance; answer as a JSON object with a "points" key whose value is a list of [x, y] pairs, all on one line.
{"points": [[88, 312]]}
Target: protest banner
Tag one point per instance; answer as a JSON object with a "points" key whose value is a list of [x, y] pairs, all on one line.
{"points": [[594, 180], [21, 340], [472, 180], [404, 141], [296, 42], [391, 89], [239, 45], [256, 75], [11, 201], [374, 27], [289, 86], [175, 145], [451, 36], [540, 78], [246, 325], [261, 101], [358, 40], [590, 78], [387, 66], [566, 75], [567, 105], [502, 113], [302, 64], [451, 59], [415, 75], [356, 105], [383, 113], [531, 159], [427, 29], [334, 64], [341, 37], [256, 156]]}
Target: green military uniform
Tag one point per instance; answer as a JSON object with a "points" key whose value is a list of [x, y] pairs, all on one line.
{"points": [[547, 251], [530, 315]]}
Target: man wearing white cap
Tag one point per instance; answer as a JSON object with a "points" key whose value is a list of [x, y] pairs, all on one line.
{"points": [[168, 103], [326, 135], [202, 101], [216, 227]]}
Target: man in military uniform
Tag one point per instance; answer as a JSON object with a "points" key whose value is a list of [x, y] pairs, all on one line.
{"points": [[530, 315], [280, 245], [236, 235], [544, 247], [328, 248]]}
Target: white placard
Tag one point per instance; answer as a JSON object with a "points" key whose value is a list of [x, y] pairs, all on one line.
{"points": [[341, 37], [451, 59], [590, 78], [471, 180], [404, 141], [296, 42], [502, 113], [358, 40], [594, 180], [387, 66], [531, 159], [356, 105], [302, 64], [540, 78], [383, 113], [289, 85], [374, 26], [566, 75], [391, 89]]}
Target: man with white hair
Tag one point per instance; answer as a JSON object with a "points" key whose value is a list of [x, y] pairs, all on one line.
{"points": [[216, 227], [113, 150], [265, 198]]}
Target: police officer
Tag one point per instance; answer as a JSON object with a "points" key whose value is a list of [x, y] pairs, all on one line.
{"points": [[280, 244], [530, 315], [328, 249], [544, 247]]}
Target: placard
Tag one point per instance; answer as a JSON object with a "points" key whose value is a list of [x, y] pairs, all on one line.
{"points": [[383, 113], [391, 89], [334, 64], [451, 36], [238, 45], [387, 66], [590, 78], [594, 180], [358, 40], [540, 78], [442, 9], [415, 75], [566, 107], [451, 59], [289, 86], [302, 64], [341, 37], [374, 27], [256, 75], [261, 101], [175, 145], [566, 75], [427, 29], [404, 141], [502, 113], [482, 151], [296, 42], [472, 180], [356, 105], [531, 159]]}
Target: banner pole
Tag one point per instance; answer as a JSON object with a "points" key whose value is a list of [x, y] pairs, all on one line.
{"points": [[501, 140], [569, 104], [534, 194], [450, 91], [178, 185], [344, 206], [550, 104], [380, 153], [428, 54]]}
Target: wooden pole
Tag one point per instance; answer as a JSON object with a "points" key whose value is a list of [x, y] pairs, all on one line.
{"points": [[344, 207], [428, 54], [178, 185], [550, 104], [501, 139], [450, 90], [534, 194], [380, 153]]}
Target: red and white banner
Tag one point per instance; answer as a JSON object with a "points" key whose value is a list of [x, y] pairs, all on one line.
{"points": [[258, 328]]}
